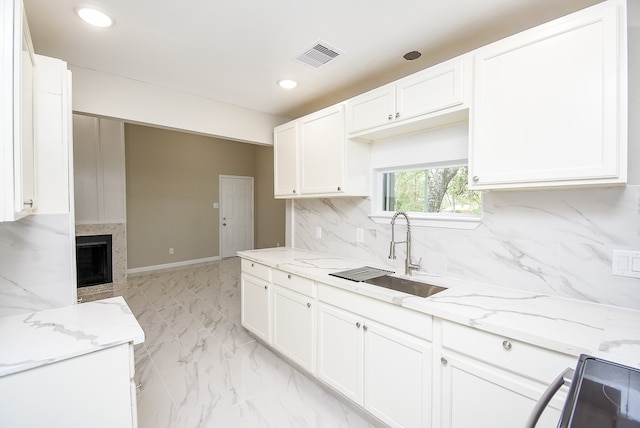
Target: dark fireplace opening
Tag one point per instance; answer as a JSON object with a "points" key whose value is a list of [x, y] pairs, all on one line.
{"points": [[94, 260]]}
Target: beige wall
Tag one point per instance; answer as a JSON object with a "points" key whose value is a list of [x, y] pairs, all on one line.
{"points": [[172, 183], [269, 212]]}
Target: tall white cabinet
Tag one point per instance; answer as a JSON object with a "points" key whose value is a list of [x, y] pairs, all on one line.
{"points": [[18, 187], [35, 132], [550, 104]]}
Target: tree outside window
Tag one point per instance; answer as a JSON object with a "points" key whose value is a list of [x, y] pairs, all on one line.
{"points": [[432, 190]]}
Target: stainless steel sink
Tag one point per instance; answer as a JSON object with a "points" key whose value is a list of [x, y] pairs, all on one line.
{"points": [[405, 285]]}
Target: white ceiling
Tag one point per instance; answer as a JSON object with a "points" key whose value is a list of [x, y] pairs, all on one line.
{"points": [[235, 51]]}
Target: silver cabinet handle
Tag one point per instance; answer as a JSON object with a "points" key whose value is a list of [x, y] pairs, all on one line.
{"points": [[506, 344], [266, 287], [339, 188], [397, 115], [252, 265], [28, 203], [224, 224], [390, 117], [138, 386], [308, 305], [475, 178], [444, 361], [358, 325], [294, 190], [289, 276], [364, 327]]}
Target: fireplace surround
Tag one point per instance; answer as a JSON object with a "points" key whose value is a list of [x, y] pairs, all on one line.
{"points": [[119, 259]]}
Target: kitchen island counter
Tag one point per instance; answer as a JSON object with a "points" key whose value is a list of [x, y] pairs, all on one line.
{"points": [[40, 338]]}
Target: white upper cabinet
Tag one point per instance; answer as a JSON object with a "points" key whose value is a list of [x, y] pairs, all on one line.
{"points": [[285, 158], [17, 105], [419, 101], [550, 104], [313, 158]]}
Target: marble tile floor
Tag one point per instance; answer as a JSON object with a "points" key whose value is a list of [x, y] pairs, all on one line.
{"points": [[200, 369]]}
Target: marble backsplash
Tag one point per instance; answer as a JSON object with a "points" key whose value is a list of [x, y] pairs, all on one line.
{"points": [[555, 242], [37, 266]]}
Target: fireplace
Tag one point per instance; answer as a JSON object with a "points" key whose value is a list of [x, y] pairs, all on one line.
{"points": [[94, 260]]}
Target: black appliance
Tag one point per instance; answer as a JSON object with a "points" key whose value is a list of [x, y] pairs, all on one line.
{"points": [[602, 394]]}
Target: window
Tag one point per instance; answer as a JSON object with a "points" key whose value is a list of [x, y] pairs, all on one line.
{"points": [[425, 175], [430, 190], [432, 195]]}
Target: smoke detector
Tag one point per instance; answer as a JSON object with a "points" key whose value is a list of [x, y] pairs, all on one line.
{"points": [[319, 54]]}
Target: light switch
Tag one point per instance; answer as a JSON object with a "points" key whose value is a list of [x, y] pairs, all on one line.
{"points": [[623, 263], [626, 263]]}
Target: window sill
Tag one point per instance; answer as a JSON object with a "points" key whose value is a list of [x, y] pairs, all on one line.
{"points": [[442, 221]]}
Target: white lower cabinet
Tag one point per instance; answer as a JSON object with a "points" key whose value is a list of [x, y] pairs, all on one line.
{"points": [[397, 376], [254, 299], [294, 323], [492, 381], [386, 371], [404, 367], [477, 394], [94, 389], [340, 351]]}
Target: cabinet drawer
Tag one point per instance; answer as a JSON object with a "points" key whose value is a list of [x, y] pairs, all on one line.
{"points": [[293, 282], [407, 320], [510, 354], [256, 269]]}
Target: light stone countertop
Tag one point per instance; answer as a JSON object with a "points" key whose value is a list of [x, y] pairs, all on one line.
{"points": [[35, 339], [564, 325]]}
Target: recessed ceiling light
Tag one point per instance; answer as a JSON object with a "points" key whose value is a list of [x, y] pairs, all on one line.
{"points": [[94, 16], [288, 84]]}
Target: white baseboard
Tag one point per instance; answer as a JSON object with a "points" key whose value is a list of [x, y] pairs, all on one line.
{"points": [[171, 265]]}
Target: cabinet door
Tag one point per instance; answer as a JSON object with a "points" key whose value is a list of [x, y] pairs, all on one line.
{"points": [[254, 299], [397, 377], [322, 152], [374, 108], [434, 89], [17, 102], [550, 105], [294, 326], [340, 347], [91, 390], [476, 394], [285, 159]]}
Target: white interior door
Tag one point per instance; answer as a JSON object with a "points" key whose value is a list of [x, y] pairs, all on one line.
{"points": [[236, 214]]}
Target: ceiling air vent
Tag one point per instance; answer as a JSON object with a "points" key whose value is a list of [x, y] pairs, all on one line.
{"points": [[318, 55]]}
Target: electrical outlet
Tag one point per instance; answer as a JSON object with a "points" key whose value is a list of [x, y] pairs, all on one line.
{"points": [[318, 232], [171, 251], [359, 234]]}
